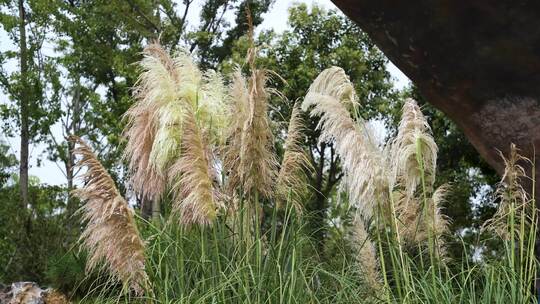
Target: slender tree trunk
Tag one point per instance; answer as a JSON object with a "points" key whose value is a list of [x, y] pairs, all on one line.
{"points": [[70, 161], [71, 207], [323, 185], [23, 108], [72, 128], [156, 210], [319, 203], [146, 208], [70, 164]]}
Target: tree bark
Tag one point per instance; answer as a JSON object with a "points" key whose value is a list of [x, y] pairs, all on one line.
{"points": [[72, 128], [319, 202], [146, 208], [23, 108], [324, 180], [156, 210]]}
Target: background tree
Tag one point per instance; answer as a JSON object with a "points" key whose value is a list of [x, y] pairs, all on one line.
{"points": [[32, 87], [71, 71]]}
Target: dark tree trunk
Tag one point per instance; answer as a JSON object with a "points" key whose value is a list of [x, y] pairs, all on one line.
{"points": [[23, 108], [146, 208], [326, 176], [319, 202], [72, 127]]}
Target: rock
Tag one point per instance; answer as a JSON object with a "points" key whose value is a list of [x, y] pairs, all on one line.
{"points": [[5, 294], [26, 293], [30, 293], [53, 296]]}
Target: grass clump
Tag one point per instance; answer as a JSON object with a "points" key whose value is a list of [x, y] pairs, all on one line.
{"points": [[236, 232]]}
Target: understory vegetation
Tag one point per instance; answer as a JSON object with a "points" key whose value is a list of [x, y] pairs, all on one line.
{"points": [[234, 228]]}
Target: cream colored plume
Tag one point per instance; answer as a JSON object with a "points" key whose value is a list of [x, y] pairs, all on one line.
{"points": [[110, 234], [195, 198], [166, 86], [413, 151], [416, 223], [291, 181], [331, 83], [140, 132], [249, 159], [439, 222], [171, 95], [141, 127], [513, 197], [258, 164], [363, 164], [212, 108], [365, 253], [166, 89], [239, 115]]}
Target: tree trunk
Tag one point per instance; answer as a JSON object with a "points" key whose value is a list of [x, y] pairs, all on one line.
{"points": [[156, 210], [146, 208], [23, 108], [72, 128], [318, 205]]}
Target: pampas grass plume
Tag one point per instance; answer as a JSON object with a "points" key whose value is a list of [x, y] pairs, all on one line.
{"points": [[195, 199], [413, 152], [363, 165], [239, 115], [365, 254], [110, 234], [513, 197], [249, 159], [291, 180]]}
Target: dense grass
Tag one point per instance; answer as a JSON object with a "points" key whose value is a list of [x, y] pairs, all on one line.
{"points": [[276, 262], [271, 262]]}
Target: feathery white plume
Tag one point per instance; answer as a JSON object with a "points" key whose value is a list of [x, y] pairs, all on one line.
{"points": [[363, 165], [413, 152], [291, 181], [366, 256]]}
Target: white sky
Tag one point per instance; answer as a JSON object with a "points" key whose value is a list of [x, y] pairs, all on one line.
{"points": [[52, 173]]}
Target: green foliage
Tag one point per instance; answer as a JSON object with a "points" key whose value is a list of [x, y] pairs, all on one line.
{"points": [[66, 272], [41, 83], [7, 163], [26, 246], [227, 263]]}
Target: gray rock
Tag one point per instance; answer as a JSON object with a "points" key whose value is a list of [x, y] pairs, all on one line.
{"points": [[5, 294], [21, 293]]}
